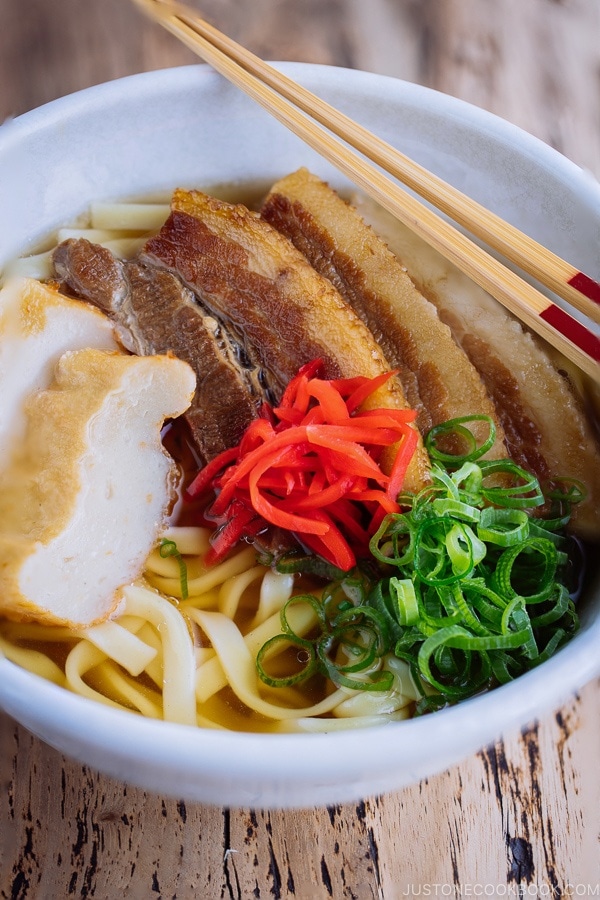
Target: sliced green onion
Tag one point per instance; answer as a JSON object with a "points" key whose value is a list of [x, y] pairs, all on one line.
{"points": [[468, 479], [456, 428], [532, 563], [381, 599], [523, 495], [504, 666], [441, 477], [548, 528], [283, 642], [431, 562], [169, 548], [507, 616], [365, 614], [357, 642], [308, 564], [522, 621], [556, 611], [360, 633], [405, 598], [464, 549], [552, 645], [308, 600], [474, 564], [466, 681], [464, 512], [504, 527], [566, 490], [469, 618], [430, 703], [393, 542]]}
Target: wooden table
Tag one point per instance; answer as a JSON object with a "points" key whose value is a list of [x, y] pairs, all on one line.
{"points": [[518, 818]]}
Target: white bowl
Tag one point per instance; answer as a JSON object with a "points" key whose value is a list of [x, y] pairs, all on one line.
{"points": [[188, 127]]}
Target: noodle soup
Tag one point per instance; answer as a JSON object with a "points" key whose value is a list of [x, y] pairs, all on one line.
{"points": [[246, 643], [48, 177]]}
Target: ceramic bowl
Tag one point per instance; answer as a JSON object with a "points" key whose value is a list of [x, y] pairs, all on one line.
{"points": [[149, 133]]}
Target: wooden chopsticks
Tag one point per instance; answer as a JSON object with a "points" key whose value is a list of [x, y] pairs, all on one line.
{"points": [[292, 105]]}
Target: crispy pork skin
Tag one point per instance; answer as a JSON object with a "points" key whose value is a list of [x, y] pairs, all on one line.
{"points": [[547, 425], [263, 289], [156, 313], [438, 378]]}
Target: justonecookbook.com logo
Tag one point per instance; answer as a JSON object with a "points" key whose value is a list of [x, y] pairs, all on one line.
{"points": [[479, 889]]}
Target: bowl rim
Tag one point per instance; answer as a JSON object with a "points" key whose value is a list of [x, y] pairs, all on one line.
{"points": [[71, 104], [464, 728]]}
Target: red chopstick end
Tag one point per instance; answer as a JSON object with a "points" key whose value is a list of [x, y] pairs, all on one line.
{"points": [[573, 330], [586, 286]]}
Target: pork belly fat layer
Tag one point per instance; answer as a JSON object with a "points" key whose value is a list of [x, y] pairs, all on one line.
{"points": [[155, 313], [438, 379]]}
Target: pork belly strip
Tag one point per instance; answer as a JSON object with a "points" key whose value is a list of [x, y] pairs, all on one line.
{"points": [[155, 313], [548, 429], [255, 280], [438, 378]]}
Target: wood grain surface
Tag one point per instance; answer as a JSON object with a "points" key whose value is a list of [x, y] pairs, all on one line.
{"points": [[521, 818]]}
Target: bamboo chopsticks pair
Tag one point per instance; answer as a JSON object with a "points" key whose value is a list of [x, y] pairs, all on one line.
{"points": [[305, 114]]}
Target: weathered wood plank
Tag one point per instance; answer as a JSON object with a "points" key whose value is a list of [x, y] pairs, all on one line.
{"points": [[526, 812], [537, 64]]}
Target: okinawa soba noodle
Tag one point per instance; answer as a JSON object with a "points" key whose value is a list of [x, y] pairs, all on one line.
{"points": [[184, 645], [193, 660], [151, 658]]}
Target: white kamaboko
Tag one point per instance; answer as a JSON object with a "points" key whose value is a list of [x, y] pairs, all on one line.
{"points": [[37, 325], [86, 495]]}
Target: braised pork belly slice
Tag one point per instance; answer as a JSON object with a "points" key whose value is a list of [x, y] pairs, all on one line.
{"points": [[545, 414], [263, 289], [438, 378], [156, 314]]}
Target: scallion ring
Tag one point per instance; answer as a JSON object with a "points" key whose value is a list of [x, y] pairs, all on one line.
{"points": [[456, 428], [279, 642]]}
